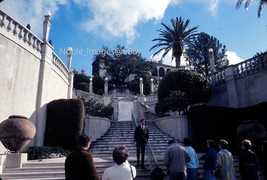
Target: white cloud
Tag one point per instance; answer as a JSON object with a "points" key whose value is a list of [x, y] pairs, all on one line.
{"points": [[119, 18], [233, 58], [31, 11], [109, 18], [213, 6]]}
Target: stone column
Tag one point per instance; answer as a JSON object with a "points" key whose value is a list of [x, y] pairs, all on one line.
{"points": [[151, 86], [106, 86], [46, 26], [69, 51], [141, 86], [70, 74], [158, 74], [70, 86], [45, 49], [91, 85]]}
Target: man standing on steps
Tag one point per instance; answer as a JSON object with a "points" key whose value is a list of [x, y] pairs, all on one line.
{"points": [[141, 136]]}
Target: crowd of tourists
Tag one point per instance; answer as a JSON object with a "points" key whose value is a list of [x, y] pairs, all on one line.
{"points": [[181, 160]]}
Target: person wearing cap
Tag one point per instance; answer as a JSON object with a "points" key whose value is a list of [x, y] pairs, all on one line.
{"points": [[141, 136], [175, 158]]}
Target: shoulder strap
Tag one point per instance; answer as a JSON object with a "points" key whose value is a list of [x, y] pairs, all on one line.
{"points": [[131, 171]]}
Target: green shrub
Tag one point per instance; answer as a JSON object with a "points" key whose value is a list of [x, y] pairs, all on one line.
{"points": [[45, 152], [96, 108], [180, 88], [65, 122]]}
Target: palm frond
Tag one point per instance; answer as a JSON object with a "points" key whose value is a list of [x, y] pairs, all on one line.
{"points": [[174, 37], [261, 7], [247, 3], [239, 3]]}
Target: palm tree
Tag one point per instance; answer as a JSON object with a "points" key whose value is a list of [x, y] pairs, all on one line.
{"points": [[175, 38], [261, 5]]}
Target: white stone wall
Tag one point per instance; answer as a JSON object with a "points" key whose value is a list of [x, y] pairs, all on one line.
{"points": [[125, 110], [178, 128], [24, 84], [95, 127]]}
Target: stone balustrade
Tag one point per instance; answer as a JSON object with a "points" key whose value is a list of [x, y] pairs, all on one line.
{"points": [[250, 66], [60, 65], [151, 98], [21, 32]]}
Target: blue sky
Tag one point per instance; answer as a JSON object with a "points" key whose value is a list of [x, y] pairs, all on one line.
{"points": [[88, 25]]}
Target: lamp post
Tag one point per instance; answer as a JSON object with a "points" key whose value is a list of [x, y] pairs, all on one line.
{"points": [[106, 86], [91, 85], [211, 58]]}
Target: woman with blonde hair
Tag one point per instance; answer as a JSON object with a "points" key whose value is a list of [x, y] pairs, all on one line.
{"points": [[224, 162]]}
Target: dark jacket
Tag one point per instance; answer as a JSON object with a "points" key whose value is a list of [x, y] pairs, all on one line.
{"points": [[210, 159], [79, 165], [141, 136], [248, 165]]}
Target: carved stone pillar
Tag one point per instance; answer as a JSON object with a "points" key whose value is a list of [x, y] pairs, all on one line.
{"points": [[141, 86]]}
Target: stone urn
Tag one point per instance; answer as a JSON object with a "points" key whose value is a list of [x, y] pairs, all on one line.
{"points": [[16, 132]]}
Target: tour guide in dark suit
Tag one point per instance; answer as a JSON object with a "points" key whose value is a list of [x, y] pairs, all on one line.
{"points": [[141, 136]]}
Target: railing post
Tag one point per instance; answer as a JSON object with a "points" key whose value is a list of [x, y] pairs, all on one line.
{"points": [[141, 86], [106, 86], [70, 74], [91, 85], [151, 86], [44, 48]]}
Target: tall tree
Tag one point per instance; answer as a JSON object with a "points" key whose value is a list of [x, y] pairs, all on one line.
{"points": [[198, 54], [175, 37], [247, 2]]}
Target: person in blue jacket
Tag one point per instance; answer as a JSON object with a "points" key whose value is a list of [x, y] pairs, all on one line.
{"points": [[210, 158]]}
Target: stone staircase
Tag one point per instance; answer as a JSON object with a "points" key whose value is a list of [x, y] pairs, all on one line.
{"points": [[120, 133]]}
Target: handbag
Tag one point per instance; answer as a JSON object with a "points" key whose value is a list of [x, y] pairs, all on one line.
{"points": [[132, 172]]}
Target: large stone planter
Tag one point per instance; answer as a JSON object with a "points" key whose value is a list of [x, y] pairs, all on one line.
{"points": [[16, 132]]}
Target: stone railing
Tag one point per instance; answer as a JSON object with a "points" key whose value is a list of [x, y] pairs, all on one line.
{"points": [[251, 65], [151, 98], [59, 65], [19, 31]]}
